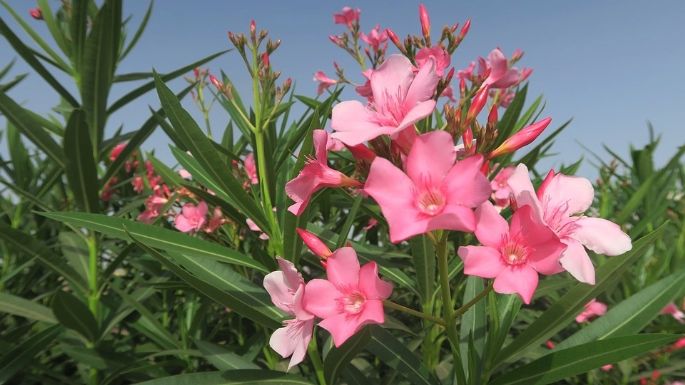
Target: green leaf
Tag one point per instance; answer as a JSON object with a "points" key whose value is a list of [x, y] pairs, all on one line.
{"points": [[223, 285], [24, 308], [396, 355], [338, 358], [75, 250], [423, 256], [506, 125], [203, 151], [53, 26], [139, 31], [157, 237], [99, 63], [27, 54], [24, 353], [78, 28], [631, 315], [80, 165], [473, 327], [231, 377], [222, 358], [74, 314], [564, 311], [562, 364], [142, 90], [30, 246], [30, 127]]}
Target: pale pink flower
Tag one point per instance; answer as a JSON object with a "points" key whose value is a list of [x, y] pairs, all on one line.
{"points": [[251, 168], [501, 76], [512, 253], [365, 90], [348, 16], [440, 56], [116, 151], [215, 221], [400, 99], [287, 289], [324, 82], [672, 310], [192, 218], [375, 38], [435, 193], [314, 176], [334, 145], [351, 297], [183, 173], [448, 93], [253, 226], [500, 188], [676, 383], [559, 203], [607, 367], [467, 73], [592, 309]]}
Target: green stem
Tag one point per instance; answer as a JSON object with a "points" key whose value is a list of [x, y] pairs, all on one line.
{"points": [[275, 236], [94, 295], [313, 351], [449, 315], [392, 305], [474, 301]]}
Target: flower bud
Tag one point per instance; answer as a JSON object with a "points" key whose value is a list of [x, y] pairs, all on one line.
{"points": [[265, 59], [492, 116], [477, 104], [464, 30], [36, 13], [521, 138], [314, 244], [425, 23], [394, 38]]}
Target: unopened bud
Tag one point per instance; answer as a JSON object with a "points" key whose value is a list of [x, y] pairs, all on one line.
{"points": [[477, 104], [394, 38], [361, 152], [521, 138], [425, 23], [216, 83], [265, 60], [314, 244], [492, 116], [517, 55], [464, 30], [36, 13]]}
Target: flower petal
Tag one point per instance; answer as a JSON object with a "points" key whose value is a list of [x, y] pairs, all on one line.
{"points": [[392, 78], [342, 268], [341, 327], [281, 295], [430, 158], [601, 236], [453, 217], [354, 123], [320, 139], [520, 280], [572, 194], [371, 285], [466, 185], [416, 113], [481, 261], [576, 261], [490, 226], [320, 298], [424, 84], [523, 191], [281, 342], [305, 329]]}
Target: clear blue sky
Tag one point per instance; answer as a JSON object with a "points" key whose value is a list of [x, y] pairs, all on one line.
{"points": [[611, 65]]}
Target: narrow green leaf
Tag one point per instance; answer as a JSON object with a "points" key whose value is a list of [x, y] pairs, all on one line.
{"points": [[23, 354], [338, 358], [157, 237], [99, 63], [563, 311], [24, 121], [231, 377], [139, 32], [80, 165], [53, 26], [396, 355], [24, 308], [222, 358], [473, 327], [423, 256], [562, 364], [631, 315], [132, 95], [74, 314], [78, 28], [27, 54]]}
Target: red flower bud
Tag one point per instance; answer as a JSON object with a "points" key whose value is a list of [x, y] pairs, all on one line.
{"points": [[425, 22], [314, 244], [521, 138], [477, 104], [36, 13]]}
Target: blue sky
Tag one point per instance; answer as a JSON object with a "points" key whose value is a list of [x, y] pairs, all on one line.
{"points": [[610, 65]]}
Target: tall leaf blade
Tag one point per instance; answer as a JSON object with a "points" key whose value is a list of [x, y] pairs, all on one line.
{"points": [[80, 164], [74, 314]]}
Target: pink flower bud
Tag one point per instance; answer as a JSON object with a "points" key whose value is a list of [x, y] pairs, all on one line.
{"points": [[314, 244], [216, 82], [265, 60], [425, 22], [337, 40], [477, 104], [253, 27], [492, 116], [464, 29], [521, 138], [361, 152], [36, 13], [517, 55], [394, 38]]}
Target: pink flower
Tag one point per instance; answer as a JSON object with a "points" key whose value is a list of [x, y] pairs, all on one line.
{"points": [[192, 217], [324, 82], [467, 73], [253, 226], [513, 254], [215, 221], [607, 367], [286, 288], [314, 176], [441, 57], [448, 93], [557, 203], [375, 38], [400, 99], [521, 138], [251, 168], [365, 90], [672, 310], [183, 173], [501, 76], [680, 344], [347, 16], [116, 151], [138, 184], [435, 193], [500, 188], [350, 298], [592, 309]]}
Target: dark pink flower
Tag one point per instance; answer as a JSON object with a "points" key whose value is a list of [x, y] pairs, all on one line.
{"points": [[347, 16], [376, 38]]}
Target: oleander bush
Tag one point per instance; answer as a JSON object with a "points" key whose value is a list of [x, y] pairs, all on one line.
{"points": [[395, 228]]}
